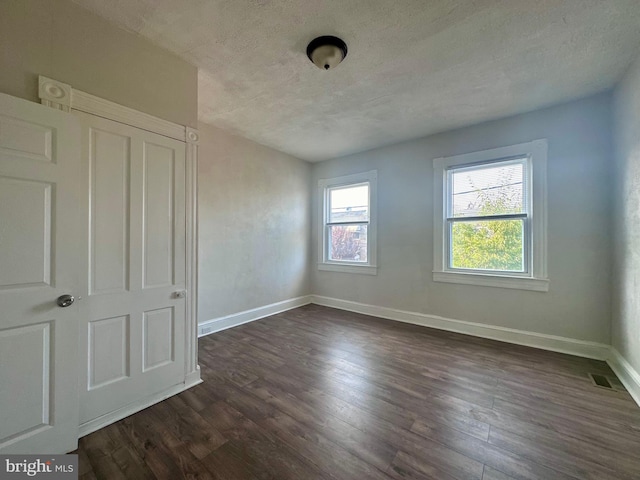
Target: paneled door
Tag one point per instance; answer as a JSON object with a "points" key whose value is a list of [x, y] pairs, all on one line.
{"points": [[39, 264], [133, 315]]}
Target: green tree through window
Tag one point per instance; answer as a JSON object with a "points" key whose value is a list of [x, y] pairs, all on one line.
{"points": [[488, 244], [492, 244]]}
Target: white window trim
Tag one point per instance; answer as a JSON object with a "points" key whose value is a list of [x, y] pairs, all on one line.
{"points": [[536, 279], [371, 267]]}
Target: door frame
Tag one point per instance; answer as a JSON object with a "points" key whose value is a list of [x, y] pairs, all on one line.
{"points": [[62, 96]]}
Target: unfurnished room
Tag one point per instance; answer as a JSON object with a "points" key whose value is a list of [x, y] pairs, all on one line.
{"points": [[333, 240]]}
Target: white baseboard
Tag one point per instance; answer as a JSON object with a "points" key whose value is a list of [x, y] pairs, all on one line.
{"points": [[235, 319], [629, 376], [112, 417], [581, 348], [599, 351]]}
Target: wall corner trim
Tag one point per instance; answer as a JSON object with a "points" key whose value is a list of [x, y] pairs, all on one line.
{"points": [[554, 343], [222, 323], [628, 375]]}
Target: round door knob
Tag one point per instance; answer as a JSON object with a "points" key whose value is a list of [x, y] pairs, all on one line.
{"points": [[65, 300]]}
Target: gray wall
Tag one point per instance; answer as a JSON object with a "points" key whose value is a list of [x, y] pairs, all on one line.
{"points": [[626, 278], [58, 39], [253, 214], [255, 208], [578, 302]]}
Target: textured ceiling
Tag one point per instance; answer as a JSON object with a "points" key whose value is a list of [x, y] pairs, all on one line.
{"points": [[414, 67]]}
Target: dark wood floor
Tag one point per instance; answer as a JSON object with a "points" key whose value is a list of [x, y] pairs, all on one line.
{"points": [[317, 393]]}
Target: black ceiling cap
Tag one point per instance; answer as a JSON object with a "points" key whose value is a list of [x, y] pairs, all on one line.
{"points": [[326, 40]]}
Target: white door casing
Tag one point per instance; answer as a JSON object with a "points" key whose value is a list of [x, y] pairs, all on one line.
{"points": [[125, 232], [39, 240], [133, 316]]}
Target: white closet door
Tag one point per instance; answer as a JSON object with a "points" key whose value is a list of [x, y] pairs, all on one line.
{"points": [[39, 262], [133, 318]]}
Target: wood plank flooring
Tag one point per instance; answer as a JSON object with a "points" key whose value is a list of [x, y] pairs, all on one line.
{"points": [[319, 393]]}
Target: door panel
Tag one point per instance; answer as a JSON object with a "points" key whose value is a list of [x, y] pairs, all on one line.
{"points": [[108, 351], [39, 232], [25, 259], [133, 323], [26, 139], [32, 378], [109, 219], [158, 338], [158, 210]]}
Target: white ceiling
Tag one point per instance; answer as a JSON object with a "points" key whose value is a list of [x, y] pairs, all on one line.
{"points": [[414, 67]]}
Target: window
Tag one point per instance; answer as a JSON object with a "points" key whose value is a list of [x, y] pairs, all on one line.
{"points": [[348, 227], [490, 217]]}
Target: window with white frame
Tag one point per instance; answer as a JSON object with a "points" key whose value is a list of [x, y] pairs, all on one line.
{"points": [[490, 217], [348, 230]]}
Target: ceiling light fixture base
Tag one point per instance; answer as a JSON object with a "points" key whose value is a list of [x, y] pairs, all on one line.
{"points": [[326, 52]]}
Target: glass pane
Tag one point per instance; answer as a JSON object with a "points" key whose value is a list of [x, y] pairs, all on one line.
{"points": [[488, 245], [493, 189], [349, 204], [348, 243]]}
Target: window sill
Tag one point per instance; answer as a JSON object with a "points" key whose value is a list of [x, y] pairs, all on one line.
{"points": [[500, 281], [349, 268]]}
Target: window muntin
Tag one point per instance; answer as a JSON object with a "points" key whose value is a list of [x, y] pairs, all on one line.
{"points": [[487, 217]]}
